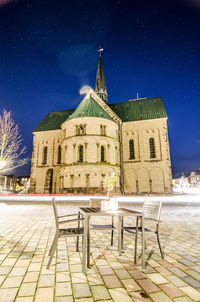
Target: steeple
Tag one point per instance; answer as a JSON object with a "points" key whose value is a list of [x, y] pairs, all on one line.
{"points": [[100, 86]]}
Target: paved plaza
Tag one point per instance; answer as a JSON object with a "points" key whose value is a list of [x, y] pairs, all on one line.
{"points": [[26, 234]]}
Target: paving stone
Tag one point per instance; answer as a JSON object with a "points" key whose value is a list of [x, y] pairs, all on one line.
{"points": [[140, 297], [160, 297], [27, 289], [95, 279], [78, 278], [18, 271], [119, 295], [191, 292], [63, 289], [136, 274], [187, 262], [112, 281], [122, 274], [100, 292], [148, 285], [2, 278], [8, 294], [131, 285], [191, 281], [194, 274], [12, 282], [183, 299], [4, 270], [177, 271], [106, 270], [44, 294], [157, 278], [24, 299], [196, 268], [62, 277], [31, 277], [171, 290], [64, 299], [46, 280], [176, 281], [81, 290], [89, 300]]}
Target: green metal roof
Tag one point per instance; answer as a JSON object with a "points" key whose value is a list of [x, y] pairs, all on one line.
{"points": [[133, 110], [90, 108], [53, 120], [140, 109]]}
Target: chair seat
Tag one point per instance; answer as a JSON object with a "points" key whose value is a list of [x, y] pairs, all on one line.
{"points": [[102, 226], [71, 231], [132, 229]]}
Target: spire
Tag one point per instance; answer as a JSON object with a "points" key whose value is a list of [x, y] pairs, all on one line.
{"points": [[100, 86]]}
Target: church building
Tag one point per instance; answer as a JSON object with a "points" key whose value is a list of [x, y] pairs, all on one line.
{"points": [[73, 150]]}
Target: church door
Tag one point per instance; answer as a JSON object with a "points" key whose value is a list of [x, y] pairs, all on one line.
{"points": [[48, 182]]}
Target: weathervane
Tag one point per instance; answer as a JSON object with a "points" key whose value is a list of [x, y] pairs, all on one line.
{"points": [[100, 50]]}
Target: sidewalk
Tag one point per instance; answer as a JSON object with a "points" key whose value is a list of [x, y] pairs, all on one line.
{"points": [[27, 231]]}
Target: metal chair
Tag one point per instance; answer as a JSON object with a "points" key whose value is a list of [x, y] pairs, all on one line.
{"points": [[64, 232], [152, 211], [96, 203]]}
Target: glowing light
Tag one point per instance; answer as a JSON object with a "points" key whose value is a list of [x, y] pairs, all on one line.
{"points": [[84, 89], [2, 164]]}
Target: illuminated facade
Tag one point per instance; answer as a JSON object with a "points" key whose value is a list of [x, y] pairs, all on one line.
{"points": [[73, 150]]}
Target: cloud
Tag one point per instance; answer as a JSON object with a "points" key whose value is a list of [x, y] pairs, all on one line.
{"points": [[4, 2]]}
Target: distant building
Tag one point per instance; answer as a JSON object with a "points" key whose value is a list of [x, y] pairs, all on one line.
{"points": [[195, 178], [73, 150], [6, 183]]}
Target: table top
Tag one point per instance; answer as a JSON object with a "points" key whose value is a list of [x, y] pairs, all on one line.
{"points": [[89, 211]]}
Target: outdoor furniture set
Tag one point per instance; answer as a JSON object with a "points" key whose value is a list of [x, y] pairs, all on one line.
{"points": [[151, 211]]}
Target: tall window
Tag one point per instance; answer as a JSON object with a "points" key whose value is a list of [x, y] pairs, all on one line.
{"points": [[152, 148], [131, 149], [59, 155], [102, 130], [102, 154], [80, 153], [44, 155]]}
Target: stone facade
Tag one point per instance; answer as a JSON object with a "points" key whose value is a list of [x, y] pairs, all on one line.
{"points": [[74, 150]]}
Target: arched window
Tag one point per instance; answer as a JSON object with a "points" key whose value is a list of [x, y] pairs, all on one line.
{"points": [[152, 148], [131, 149], [80, 153], [59, 155], [102, 154], [45, 155]]}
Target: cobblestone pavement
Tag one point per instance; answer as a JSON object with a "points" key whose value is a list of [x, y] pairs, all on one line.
{"points": [[27, 231]]}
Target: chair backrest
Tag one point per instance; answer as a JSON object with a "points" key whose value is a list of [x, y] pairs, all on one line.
{"points": [[152, 209], [55, 211]]}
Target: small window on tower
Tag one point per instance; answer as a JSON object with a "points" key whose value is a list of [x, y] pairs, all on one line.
{"points": [[81, 129], [59, 154]]}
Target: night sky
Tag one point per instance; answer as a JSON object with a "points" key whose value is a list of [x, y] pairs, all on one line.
{"points": [[48, 51]]}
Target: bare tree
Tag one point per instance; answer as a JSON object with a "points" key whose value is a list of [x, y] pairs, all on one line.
{"points": [[11, 149]]}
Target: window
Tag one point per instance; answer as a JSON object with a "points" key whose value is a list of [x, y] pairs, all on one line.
{"points": [[102, 130], [59, 155], [80, 129], [102, 154], [44, 156], [80, 153], [131, 149], [152, 148]]}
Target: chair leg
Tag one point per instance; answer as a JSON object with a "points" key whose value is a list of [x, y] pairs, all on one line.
{"points": [[122, 234], [112, 232], [158, 239], [77, 239], [53, 250], [52, 245], [136, 237]]}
